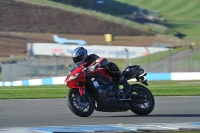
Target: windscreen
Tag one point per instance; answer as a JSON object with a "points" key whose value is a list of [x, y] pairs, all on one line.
{"points": [[75, 66]]}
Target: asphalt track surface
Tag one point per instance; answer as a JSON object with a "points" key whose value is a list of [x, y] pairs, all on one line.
{"points": [[54, 112]]}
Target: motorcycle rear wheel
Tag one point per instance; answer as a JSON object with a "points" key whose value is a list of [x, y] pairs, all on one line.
{"points": [[142, 106], [78, 105]]}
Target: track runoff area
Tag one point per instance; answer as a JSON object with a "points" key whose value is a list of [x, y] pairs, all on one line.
{"points": [[106, 127], [53, 116], [144, 127], [148, 127]]}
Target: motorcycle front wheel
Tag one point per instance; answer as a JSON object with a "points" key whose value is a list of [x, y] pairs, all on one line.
{"points": [[82, 106], [144, 105]]}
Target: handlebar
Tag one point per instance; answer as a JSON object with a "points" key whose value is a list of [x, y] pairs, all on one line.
{"points": [[92, 68], [85, 70]]}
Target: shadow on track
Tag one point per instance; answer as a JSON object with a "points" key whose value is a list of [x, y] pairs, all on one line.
{"points": [[156, 115]]}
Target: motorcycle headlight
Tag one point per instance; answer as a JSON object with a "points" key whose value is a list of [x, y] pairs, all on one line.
{"points": [[73, 76]]}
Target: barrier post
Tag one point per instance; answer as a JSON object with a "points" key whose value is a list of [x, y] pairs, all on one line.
{"points": [[127, 57], [108, 38]]}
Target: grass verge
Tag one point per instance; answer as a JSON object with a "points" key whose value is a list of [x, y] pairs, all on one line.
{"points": [[144, 60], [0, 76], [99, 15], [173, 131], [175, 88], [181, 15], [158, 88], [33, 92]]}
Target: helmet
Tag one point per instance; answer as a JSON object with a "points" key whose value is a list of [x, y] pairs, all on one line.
{"points": [[79, 55]]}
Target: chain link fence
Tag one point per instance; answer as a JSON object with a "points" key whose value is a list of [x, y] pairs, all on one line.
{"points": [[36, 68], [186, 60]]}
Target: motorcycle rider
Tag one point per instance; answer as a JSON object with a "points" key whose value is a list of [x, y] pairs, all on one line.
{"points": [[80, 55]]}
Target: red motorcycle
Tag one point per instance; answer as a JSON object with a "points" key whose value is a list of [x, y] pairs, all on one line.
{"points": [[97, 90]]}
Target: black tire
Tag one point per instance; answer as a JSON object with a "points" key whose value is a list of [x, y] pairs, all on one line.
{"points": [[77, 105], [136, 105]]}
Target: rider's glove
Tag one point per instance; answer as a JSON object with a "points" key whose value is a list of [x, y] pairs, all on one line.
{"points": [[93, 68], [85, 70]]}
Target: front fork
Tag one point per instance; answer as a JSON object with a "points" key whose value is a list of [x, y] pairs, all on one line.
{"points": [[82, 92]]}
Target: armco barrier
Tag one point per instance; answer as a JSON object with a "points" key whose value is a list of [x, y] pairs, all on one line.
{"points": [[149, 77]]}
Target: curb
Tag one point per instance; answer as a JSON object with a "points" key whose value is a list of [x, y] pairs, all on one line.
{"points": [[60, 80], [113, 128]]}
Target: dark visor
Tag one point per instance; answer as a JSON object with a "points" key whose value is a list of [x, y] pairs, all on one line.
{"points": [[78, 59]]}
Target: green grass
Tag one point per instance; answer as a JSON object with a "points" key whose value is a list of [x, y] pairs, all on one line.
{"points": [[158, 88], [181, 15], [24, 92], [194, 131], [150, 58], [175, 88], [196, 57], [99, 15], [157, 56]]}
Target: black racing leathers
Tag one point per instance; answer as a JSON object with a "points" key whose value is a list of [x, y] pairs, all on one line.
{"points": [[112, 68], [91, 58]]}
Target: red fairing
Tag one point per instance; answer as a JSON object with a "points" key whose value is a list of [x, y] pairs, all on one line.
{"points": [[81, 77], [103, 72]]}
